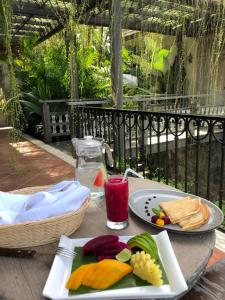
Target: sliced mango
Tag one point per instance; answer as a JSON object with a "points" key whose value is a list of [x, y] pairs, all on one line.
{"points": [[99, 275], [77, 276], [106, 273], [89, 275]]}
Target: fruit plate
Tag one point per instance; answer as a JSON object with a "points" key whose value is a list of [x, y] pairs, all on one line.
{"points": [[142, 202], [61, 269]]}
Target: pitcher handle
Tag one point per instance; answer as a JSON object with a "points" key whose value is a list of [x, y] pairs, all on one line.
{"points": [[109, 153]]}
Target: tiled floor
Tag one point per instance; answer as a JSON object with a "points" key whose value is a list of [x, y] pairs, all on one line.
{"points": [[25, 164]]}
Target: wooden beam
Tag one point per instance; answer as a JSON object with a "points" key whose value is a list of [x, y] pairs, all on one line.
{"points": [[51, 33], [116, 53], [153, 13], [88, 6], [28, 27], [130, 24], [28, 9], [24, 33], [211, 5], [40, 23], [48, 24]]}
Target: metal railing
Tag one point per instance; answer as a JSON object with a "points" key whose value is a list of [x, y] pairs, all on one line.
{"points": [[183, 150], [56, 113], [56, 121]]}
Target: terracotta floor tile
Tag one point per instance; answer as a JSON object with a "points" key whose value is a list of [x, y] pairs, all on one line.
{"points": [[216, 256], [24, 164]]}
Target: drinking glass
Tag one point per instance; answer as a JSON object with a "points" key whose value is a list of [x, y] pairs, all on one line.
{"points": [[116, 195]]}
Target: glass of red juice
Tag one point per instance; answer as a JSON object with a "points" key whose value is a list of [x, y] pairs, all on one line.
{"points": [[116, 196]]}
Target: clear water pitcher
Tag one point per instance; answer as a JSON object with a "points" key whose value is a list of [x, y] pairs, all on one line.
{"points": [[90, 165]]}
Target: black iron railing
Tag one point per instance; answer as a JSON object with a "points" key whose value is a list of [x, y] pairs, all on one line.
{"points": [[186, 151]]}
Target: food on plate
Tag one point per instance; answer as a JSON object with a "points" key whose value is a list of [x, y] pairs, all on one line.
{"points": [[161, 215], [178, 209], [160, 222], [105, 246], [154, 219], [189, 213], [78, 275], [159, 218], [99, 242], [140, 254], [166, 220], [124, 255], [100, 275], [196, 220], [146, 268], [144, 241]]}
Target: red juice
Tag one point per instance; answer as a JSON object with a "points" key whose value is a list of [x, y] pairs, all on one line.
{"points": [[116, 195]]}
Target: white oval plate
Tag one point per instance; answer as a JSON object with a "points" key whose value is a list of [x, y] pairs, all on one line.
{"points": [[142, 202]]}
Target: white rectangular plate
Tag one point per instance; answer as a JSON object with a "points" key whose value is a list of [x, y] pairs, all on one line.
{"points": [[61, 270]]}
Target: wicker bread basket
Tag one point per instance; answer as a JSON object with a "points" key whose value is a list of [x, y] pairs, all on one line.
{"points": [[35, 233]]}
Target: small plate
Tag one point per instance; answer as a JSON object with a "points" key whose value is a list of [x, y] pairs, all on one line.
{"points": [[61, 269], [142, 202]]}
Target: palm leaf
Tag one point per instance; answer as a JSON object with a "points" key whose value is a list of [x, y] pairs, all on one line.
{"points": [[32, 106]]}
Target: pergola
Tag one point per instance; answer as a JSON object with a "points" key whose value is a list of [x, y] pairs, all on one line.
{"points": [[47, 17]]}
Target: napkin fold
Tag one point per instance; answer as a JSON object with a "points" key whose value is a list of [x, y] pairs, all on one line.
{"points": [[60, 198]]}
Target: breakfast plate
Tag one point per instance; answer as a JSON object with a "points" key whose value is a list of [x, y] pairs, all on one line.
{"points": [[61, 270], [142, 202]]}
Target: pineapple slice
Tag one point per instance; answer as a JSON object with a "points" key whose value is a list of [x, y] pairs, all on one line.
{"points": [[146, 268]]}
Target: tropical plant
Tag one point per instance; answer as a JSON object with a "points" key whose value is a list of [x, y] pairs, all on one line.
{"points": [[155, 65], [43, 70], [14, 109]]}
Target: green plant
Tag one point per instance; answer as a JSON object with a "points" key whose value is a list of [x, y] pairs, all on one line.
{"points": [[13, 107], [43, 69], [155, 64]]}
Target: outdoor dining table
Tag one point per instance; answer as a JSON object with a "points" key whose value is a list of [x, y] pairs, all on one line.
{"points": [[24, 278]]}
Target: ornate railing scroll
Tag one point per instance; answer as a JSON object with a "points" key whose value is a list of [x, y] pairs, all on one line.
{"points": [[184, 150]]}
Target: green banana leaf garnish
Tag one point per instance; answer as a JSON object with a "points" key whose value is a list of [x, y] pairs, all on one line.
{"points": [[129, 280]]}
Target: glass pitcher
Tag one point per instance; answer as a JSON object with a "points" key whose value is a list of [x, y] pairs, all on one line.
{"points": [[90, 166]]}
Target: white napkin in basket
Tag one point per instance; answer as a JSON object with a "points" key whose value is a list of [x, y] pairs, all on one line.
{"points": [[57, 200]]}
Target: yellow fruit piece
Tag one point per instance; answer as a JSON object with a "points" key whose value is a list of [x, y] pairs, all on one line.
{"points": [[88, 276], [99, 275], [77, 276], [146, 268], [106, 273], [160, 222], [161, 215]]}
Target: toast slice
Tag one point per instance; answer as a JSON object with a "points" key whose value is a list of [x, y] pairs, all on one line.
{"points": [[179, 209]]}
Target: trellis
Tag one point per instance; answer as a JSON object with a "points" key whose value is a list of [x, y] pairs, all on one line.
{"points": [[44, 18]]}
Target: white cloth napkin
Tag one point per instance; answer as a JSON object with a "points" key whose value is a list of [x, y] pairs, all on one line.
{"points": [[57, 200]]}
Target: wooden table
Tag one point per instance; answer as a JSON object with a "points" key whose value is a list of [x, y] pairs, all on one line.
{"points": [[24, 279]]}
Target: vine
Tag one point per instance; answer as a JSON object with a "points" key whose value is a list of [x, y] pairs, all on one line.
{"points": [[12, 107]]}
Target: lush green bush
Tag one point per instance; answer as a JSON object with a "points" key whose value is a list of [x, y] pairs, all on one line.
{"points": [[43, 69]]}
